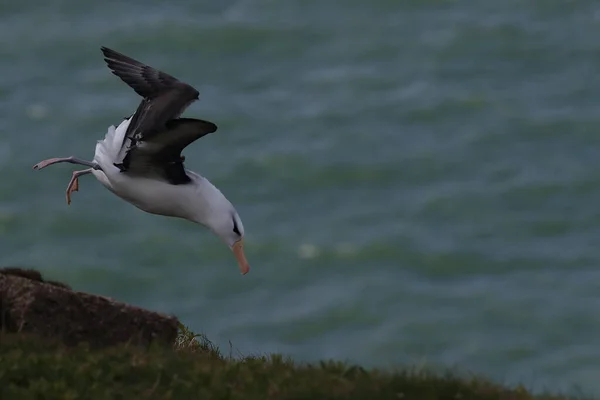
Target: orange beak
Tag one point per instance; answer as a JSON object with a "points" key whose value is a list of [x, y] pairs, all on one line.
{"points": [[238, 251]]}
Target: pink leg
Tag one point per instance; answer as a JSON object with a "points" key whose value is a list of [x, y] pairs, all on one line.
{"points": [[71, 160], [74, 182]]}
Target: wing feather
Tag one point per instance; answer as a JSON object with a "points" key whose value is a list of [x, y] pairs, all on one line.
{"points": [[165, 95]]}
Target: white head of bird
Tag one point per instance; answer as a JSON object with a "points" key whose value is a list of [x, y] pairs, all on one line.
{"points": [[229, 228]]}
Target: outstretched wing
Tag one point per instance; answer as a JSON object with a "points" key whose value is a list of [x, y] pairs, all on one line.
{"points": [[160, 155], [164, 97]]}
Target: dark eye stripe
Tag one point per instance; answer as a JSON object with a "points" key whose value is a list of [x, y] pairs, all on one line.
{"points": [[235, 228]]}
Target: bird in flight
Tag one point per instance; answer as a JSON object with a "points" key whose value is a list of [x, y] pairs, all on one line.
{"points": [[140, 160]]}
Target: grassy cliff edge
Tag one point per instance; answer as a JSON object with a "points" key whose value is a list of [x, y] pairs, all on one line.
{"points": [[56, 343], [31, 367]]}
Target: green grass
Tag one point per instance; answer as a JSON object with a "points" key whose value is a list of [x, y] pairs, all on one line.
{"points": [[32, 368]]}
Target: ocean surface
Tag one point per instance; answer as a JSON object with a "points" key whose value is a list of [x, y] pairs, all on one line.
{"points": [[419, 180]]}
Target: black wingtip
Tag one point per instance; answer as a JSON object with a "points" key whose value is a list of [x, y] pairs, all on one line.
{"points": [[105, 50], [111, 55], [146, 81]]}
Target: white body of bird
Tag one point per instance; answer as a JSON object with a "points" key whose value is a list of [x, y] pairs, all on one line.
{"points": [[199, 201]]}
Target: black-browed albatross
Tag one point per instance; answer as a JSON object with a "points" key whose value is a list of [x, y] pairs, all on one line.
{"points": [[141, 162]]}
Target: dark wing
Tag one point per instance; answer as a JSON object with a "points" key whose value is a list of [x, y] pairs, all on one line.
{"points": [[164, 97], [160, 155], [156, 134]]}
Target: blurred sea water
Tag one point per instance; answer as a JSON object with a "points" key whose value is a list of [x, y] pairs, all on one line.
{"points": [[418, 180]]}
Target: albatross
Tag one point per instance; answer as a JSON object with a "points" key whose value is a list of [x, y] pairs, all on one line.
{"points": [[140, 160]]}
